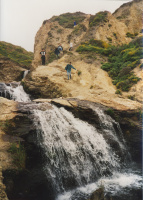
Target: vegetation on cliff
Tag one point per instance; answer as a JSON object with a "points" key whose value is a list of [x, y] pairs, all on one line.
{"points": [[18, 155], [16, 54], [67, 20], [121, 60], [100, 17]]}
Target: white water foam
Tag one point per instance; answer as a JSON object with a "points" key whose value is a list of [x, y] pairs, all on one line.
{"points": [[17, 93], [107, 124], [117, 183], [73, 148], [25, 73]]}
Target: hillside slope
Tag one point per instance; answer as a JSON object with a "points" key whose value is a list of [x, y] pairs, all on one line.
{"points": [[14, 60], [96, 39]]}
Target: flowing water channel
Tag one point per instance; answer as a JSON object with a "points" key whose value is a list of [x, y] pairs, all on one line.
{"points": [[80, 158]]}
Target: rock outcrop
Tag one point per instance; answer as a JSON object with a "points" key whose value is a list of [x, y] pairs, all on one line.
{"points": [[89, 81], [14, 60], [3, 195], [10, 71], [92, 84], [7, 109], [112, 28], [131, 15]]}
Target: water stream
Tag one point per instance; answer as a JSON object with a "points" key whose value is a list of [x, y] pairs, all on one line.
{"points": [[79, 157], [14, 91]]}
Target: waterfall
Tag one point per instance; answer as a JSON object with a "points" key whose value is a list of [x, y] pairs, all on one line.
{"points": [[112, 132], [14, 91], [77, 154], [25, 73], [80, 158]]}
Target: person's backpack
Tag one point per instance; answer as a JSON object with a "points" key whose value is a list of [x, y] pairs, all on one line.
{"points": [[60, 48], [56, 50]]}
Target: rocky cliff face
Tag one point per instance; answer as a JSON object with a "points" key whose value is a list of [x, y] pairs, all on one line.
{"points": [[92, 84], [131, 15], [14, 60], [103, 26], [10, 71], [7, 109], [89, 81]]}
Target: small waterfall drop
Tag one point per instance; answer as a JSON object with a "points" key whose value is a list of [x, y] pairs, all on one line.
{"points": [[14, 91], [25, 73]]}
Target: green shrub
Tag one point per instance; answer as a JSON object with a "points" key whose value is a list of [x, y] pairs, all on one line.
{"points": [[98, 18], [141, 66], [124, 71], [115, 35], [67, 20], [59, 30], [16, 54], [51, 56], [93, 45], [110, 112], [131, 97], [121, 60], [123, 85], [118, 92], [131, 35], [106, 66], [18, 155], [79, 73], [110, 39], [79, 29], [50, 34]]}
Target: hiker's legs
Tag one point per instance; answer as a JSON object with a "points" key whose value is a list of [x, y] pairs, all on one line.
{"points": [[57, 55], [43, 60], [68, 74]]}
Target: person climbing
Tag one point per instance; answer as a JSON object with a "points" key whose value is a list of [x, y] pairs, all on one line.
{"points": [[60, 47], [74, 23], [43, 53], [68, 69], [57, 52], [71, 46]]}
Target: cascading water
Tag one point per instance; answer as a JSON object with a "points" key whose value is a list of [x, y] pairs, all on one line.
{"points": [[79, 156], [25, 73], [14, 91]]}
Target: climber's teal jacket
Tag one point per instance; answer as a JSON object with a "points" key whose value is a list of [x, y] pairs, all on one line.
{"points": [[68, 67]]}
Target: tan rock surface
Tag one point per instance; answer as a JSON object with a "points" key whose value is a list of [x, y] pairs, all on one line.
{"points": [[10, 71], [128, 18], [7, 109], [92, 84]]}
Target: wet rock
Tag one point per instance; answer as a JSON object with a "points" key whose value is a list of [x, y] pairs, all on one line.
{"points": [[97, 195], [3, 195]]}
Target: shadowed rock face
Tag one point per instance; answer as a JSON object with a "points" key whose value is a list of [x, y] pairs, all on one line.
{"points": [[10, 71]]}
